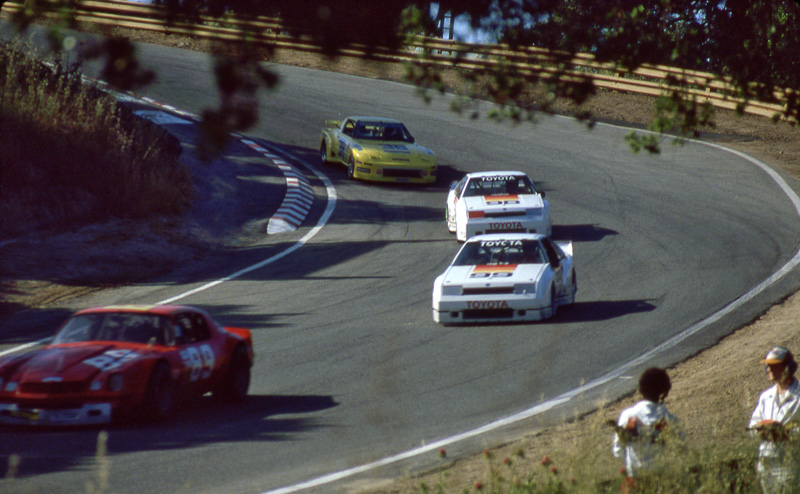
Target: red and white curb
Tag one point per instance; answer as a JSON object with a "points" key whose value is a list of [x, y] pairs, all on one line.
{"points": [[299, 193]]}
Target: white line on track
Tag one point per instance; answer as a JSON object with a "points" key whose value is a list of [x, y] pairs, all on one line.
{"points": [[542, 407], [617, 373], [330, 206]]}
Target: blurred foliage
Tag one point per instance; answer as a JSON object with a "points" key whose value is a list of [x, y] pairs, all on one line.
{"points": [[752, 43]]}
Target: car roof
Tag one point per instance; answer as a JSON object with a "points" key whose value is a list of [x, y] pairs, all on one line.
{"points": [[495, 173], [164, 310], [374, 119], [507, 236]]}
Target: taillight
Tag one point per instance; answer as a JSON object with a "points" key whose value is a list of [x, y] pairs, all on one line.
{"points": [[476, 214]]}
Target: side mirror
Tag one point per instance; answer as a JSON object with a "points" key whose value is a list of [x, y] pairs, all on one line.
{"points": [[541, 193]]}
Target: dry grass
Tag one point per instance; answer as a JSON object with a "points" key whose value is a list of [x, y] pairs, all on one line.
{"points": [[70, 154]]}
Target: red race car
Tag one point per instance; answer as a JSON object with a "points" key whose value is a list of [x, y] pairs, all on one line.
{"points": [[119, 362]]}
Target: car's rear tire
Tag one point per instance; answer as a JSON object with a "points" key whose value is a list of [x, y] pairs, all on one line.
{"points": [[234, 386], [553, 301], [159, 398]]}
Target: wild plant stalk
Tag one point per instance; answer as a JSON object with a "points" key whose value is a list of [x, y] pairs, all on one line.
{"points": [[70, 154]]}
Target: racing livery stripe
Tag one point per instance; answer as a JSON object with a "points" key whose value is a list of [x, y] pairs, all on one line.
{"points": [[495, 268], [513, 197]]}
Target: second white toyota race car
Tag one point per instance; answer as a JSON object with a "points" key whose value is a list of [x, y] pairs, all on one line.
{"points": [[493, 202], [505, 277]]}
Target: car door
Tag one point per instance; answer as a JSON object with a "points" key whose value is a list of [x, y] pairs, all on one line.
{"points": [[458, 204], [557, 259], [196, 350], [344, 138], [452, 197]]}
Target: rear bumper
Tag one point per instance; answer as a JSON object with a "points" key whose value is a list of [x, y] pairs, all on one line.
{"points": [[481, 226]]}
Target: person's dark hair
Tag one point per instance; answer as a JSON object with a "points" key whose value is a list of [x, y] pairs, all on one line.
{"points": [[654, 384]]}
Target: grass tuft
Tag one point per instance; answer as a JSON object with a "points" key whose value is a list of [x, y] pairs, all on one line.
{"points": [[70, 154]]}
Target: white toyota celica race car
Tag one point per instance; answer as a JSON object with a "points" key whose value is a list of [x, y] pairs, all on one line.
{"points": [[505, 277], [494, 202]]}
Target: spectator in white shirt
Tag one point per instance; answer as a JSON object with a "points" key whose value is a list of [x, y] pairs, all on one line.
{"points": [[775, 420], [642, 428]]}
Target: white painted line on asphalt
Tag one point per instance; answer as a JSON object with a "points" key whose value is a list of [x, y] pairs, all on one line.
{"points": [[23, 347], [618, 373], [329, 207]]}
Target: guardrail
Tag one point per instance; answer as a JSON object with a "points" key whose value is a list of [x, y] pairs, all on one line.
{"points": [[652, 80]]}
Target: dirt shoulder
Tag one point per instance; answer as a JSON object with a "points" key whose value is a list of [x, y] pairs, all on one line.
{"points": [[713, 393]]}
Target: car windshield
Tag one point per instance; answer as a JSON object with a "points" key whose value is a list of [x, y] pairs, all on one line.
{"points": [[499, 252], [382, 131], [500, 185], [115, 326]]}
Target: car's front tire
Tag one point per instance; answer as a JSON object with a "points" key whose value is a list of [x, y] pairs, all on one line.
{"points": [[234, 386]]}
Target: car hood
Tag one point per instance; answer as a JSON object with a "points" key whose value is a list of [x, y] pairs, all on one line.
{"points": [[483, 275], [509, 201], [399, 152], [72, 363]]}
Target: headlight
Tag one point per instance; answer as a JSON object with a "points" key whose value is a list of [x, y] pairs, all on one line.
{"points": [[451, 290], [115, 382], [525, 289], [534, 212]]}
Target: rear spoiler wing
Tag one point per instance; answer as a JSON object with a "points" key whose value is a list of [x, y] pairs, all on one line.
{"points": [[332, 124]]}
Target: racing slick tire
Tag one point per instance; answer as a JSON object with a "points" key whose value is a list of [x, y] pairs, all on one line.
{"points": [[553, 301], [233, 387], [323, 154], [159, 399], [351, 168]]}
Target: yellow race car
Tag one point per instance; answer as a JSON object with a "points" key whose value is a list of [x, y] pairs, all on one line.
{"points": [[378, 149]]}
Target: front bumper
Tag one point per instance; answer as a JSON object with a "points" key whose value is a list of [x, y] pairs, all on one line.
{"points": [[422, 174], [87, 414], [453, 310]]}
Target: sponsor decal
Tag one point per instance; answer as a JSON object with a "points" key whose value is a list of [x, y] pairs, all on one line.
{"points": [[493, 271], [501, 243], [504, 199], [499, 178], [505, 225], [396, 148], [488, 304]]}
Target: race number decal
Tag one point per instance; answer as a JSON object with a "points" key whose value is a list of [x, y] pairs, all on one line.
{"points": [[495, 271], [111, 359], [199, 360]]}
